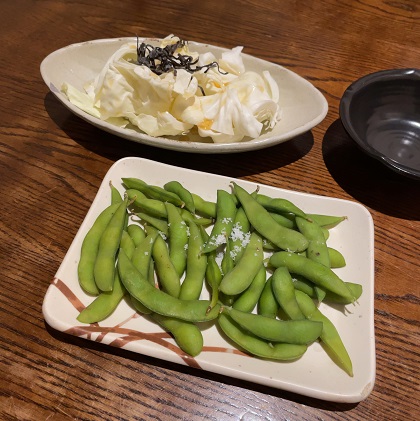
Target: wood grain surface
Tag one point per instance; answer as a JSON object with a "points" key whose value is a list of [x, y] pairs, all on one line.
{"points": [[52, 163]]}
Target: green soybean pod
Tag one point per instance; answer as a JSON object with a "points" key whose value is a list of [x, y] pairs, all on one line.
{"points": [[213, 275], [249, 298], [239, 235], [89, 250], [302, 284], [165, 270], [196, 266], [326, 221], [106, 302], [356, 290], [104, 269], [115, 194], [283, 220], [204, 207], [152, 207], [317, 248], [337, 260], [142, 255], [178, 238], [187, 335], [261, 220], [279, 205], [241, 276], [159, 301], [142, 260], [284, 291], [159, 224], [267, 304], [313, 271], [225, 214], [227, 263], [301, 332], [184, 194], [213, 278], [259, 347], [187, 216], [153, 192], [137, 233], [330, 338]]}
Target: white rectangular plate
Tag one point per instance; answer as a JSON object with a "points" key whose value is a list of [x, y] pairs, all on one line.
{"points": [[314, 375]]}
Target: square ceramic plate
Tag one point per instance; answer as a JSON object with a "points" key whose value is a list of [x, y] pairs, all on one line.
{"points": [[303, 106], [313, 375]]}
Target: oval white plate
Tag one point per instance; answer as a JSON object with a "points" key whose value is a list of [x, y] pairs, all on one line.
{"points": [[303, 106], [315, 374]]}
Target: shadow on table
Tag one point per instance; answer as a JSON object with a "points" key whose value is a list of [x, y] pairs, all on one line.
{"points": [[368, 180], [196, 372], [230, 165]]}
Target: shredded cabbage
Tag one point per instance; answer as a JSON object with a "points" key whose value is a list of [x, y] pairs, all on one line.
{"points": [[224, 102]]}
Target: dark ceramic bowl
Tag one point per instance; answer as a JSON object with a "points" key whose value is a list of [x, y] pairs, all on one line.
{"points": [[381, 112]]}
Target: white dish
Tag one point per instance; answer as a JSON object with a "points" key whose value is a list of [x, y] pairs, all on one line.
{"points": [[303, 106], [313, 375]]}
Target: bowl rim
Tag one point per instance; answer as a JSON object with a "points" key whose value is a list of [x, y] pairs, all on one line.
{"points": [[344, 111]]}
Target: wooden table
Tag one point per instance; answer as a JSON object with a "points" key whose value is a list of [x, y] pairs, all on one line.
{"points": [[52, 163]]}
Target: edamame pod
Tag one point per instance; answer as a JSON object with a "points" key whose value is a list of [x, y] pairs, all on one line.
{"points": [[267, 303], [187, 335], [302, 284], [330, 338], [337, 260], [204, 207], [249, 298], [317, 248], [227, 261], [326, 221], [165, 270], [313, 271], [159, 301], [115, 194], [239, 235], [356, 290], [142, 254], [284, 291], [196, 266], [241, 276], [213, 275], [178, 232], [89, 250], [259, 347], [104, 269], [187, 216], [225, 214], [263, 222], [279, 205], [159, 224], [283, 220], [301, 332], [152, 207], [137, 233], [184, 194], [104, 304], [213, 278], [153, 192]]}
